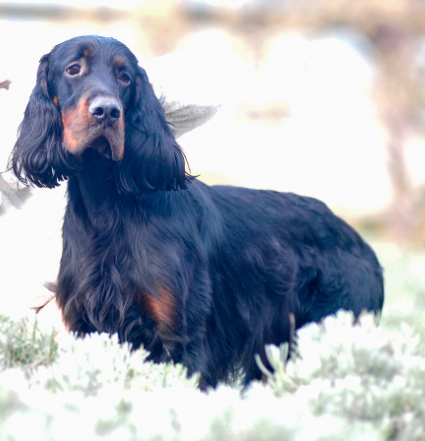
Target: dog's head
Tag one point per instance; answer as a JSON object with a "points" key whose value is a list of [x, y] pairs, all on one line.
{"points": [[91, 94]]}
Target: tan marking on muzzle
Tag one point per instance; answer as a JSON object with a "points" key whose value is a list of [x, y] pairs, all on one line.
{"points": [[118, 154], [75, 126], [79, 129]]}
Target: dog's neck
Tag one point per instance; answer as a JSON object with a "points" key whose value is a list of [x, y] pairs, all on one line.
{"points": [[93, 189], [95, 197]]}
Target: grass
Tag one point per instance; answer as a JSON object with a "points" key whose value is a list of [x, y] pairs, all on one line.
{"points": [[23, 345]]}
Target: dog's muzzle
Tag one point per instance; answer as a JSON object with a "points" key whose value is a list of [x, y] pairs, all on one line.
{"points": [[105, 110]]}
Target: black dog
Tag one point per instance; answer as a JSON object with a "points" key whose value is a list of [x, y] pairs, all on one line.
{"points": [[205, 276]]}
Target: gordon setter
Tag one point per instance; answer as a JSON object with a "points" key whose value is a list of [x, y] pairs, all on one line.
{"points": [[204, 276]]}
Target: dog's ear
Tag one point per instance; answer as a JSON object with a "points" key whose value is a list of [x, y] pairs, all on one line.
{"points": [[152, 158], [38, 156]]}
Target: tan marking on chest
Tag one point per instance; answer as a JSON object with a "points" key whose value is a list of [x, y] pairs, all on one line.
{"points": [[161, 309]]}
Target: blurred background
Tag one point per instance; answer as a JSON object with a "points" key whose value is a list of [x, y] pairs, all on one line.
{"points": [[324, 98]]}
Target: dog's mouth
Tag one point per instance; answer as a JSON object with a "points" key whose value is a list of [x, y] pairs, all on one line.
{"points": [[108, 141], [103, 146], [80, 134]]}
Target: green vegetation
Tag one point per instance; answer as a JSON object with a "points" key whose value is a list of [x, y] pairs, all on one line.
{"points": [[350, 383]]}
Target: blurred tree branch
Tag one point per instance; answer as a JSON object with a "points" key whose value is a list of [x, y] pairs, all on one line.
{"points": [[5, 84], [15, 196]]}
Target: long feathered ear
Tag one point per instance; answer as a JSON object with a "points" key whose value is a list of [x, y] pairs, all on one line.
{"points": [[38, 156], [152, 158]]}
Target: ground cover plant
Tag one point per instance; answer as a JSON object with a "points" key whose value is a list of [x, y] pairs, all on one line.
{"points": [[350, 383]]}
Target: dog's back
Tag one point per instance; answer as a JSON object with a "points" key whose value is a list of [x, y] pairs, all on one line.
{"points": [[276, 254]]}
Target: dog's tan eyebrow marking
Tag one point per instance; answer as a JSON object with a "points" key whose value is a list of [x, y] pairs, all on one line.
{"points": [[88, 51], [119, 62]]}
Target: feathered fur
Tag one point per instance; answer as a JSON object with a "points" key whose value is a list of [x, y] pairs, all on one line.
{"points": [[205, 276]]}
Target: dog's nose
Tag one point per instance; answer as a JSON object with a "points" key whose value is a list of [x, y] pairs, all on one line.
{"points": [[106, 110]]}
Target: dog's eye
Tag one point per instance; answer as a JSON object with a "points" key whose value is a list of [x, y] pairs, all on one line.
{"points": [[74, 69], [124, 78]]}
